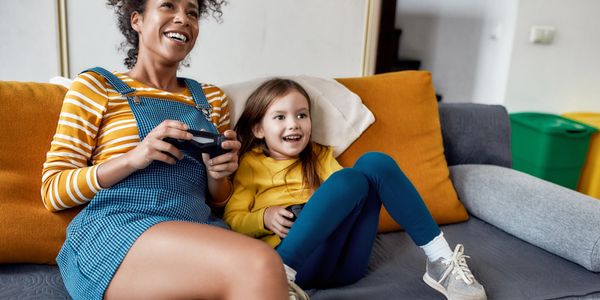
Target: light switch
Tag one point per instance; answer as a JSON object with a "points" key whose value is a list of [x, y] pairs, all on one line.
{"points": [[542, 34]]}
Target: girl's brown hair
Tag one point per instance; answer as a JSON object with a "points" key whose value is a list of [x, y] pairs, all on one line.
{"points": [[256, 108]]}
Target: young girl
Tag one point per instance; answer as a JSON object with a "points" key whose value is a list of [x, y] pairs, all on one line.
{"points": [[330, 242]]}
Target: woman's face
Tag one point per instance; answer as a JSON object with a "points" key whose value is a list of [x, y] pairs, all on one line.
{"points": [[167, 30]]}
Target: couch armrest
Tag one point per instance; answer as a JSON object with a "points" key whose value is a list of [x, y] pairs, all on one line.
{"points": [[475, 134], [559, 220]]}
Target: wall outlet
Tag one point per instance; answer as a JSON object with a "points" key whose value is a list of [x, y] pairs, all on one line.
{"points": [[542, 35]]}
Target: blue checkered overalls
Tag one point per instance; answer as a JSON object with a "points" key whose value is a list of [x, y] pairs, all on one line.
{"points": [[100, 236]]}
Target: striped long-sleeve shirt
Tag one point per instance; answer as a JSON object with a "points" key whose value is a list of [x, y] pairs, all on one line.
{"points": [[97, 124]]}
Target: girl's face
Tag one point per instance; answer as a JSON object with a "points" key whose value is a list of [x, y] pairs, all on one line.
{"points": [[167, 30], [286, 126]]}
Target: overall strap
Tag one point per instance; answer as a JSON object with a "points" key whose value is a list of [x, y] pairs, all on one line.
{"points": [[201, 101], [120, 86], [198, 95]]}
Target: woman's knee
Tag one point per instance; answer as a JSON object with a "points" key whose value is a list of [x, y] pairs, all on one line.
{"points": [[201, 253], [263, 260]]}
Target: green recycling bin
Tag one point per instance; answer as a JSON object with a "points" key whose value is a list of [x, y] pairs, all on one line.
{"points": [[549, 146]]}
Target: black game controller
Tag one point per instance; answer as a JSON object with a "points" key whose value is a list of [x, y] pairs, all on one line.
{"points": [[294, 209], [202, 141]]}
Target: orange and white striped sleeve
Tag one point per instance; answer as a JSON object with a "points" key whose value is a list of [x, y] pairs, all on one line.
{"points": [[68, 180], [220, 104]]}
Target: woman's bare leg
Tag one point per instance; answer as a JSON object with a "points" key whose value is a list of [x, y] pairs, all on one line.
{"points": [[186, 260]]}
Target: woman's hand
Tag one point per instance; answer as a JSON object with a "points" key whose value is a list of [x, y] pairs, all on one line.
{"points": [[150, 149], [220, 167], [154, 148], [276, 219], [225, 164]]}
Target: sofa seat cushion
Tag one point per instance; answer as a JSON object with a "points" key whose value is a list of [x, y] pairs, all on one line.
{"points": [[407, 127], [507, 267], [29, 114], [31, 281]]}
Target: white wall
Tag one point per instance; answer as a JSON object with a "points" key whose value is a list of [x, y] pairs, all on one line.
{"points": [[465, 43], [29, 46], [479, 51], [495, 51], [563, 76], [256, 38], [282, 37], [94, 38]]}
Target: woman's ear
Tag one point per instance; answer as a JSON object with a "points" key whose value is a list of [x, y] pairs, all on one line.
{"points": [[258, 131], [136, 20]]}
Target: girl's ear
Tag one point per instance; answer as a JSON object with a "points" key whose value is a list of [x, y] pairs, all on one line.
{"points": [[258, 131], [136, 21]]}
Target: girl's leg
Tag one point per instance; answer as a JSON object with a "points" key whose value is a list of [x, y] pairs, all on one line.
{"points": [[190, 261], [405, 205], [354, 261], [320, 267], [343, 259], [399, 196], [325, 221]]}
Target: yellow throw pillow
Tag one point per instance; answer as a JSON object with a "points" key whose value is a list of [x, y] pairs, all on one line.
{"points": [[407, 127], [28, 232]]}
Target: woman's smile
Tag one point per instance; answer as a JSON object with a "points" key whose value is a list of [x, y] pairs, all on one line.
{"points": [[180, 37]]}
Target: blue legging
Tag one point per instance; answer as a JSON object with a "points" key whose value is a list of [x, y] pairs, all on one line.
{"points": [[330, 243]]}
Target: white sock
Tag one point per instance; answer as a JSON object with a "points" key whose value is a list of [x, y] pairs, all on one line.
{"points": [[290, 273], [436, 248]]}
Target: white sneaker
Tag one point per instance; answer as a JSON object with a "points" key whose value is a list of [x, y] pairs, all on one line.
{"points": [[453, 278], [296, 292]]}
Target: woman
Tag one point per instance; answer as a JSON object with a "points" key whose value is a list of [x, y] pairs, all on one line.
{"points": [[147, 231]]}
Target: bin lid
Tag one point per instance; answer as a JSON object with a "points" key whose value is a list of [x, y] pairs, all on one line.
{"points": [[552, 124], [589, 118]]}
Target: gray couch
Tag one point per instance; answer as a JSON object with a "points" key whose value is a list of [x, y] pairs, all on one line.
{"points": [[528, 238]]}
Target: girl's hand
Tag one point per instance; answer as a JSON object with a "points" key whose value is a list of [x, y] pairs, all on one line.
{"points": [[154, 148], [225, 164], [275, 219]]}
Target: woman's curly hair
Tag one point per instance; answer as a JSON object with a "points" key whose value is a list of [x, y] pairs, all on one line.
{"points": [[124, 9]]}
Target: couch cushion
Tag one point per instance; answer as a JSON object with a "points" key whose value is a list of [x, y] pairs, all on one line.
{"points": [[507, 267], [542, 213], [29, 114], [29, 281], [476, 133], [407, 127]]}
